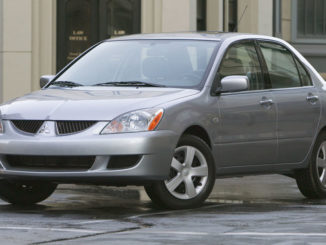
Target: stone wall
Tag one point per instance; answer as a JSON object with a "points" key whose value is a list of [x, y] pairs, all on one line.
{"points": [[323, 75]]}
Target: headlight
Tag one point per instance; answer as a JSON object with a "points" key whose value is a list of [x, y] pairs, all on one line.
{"points": [[136, 121]]}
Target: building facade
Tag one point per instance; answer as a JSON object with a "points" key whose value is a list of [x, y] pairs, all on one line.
{"points": [[41, 36]]}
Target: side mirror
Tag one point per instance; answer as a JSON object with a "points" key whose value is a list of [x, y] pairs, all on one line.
{"points": [[44, 80], [234, 84]]}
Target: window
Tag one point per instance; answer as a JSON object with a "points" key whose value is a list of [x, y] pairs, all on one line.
{"points": [[308, 21], [311, 19], [304, 75], [233, 16], [242, 59], [230, 15], [201, 15], [277, 18], [119, 17], [281, 66]]}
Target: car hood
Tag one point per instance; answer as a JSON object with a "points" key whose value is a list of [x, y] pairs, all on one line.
{"points": [[99, 104]]}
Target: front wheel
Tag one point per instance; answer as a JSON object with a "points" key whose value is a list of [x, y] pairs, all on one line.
{"points": [[312, 180], [25, 193], [191, 179]]}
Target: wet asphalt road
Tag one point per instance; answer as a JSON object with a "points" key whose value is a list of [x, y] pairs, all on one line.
{"points": [[251, 210]]}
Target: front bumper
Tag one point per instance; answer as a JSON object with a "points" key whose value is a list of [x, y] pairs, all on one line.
{"points": [[155, 147]]}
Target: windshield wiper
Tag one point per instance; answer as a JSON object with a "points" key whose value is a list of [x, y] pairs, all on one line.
{"points": [[66, 84], [130, 83]]}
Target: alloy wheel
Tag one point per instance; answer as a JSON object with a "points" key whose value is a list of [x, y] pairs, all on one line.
{"points": [[321, 164], [188, 174]]}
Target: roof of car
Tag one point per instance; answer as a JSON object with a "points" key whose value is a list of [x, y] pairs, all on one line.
{"points": [[221, 36]]}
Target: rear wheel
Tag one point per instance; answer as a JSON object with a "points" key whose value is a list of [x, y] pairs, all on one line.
{"points": [[25, 193], [312, 180], [192, 176]]}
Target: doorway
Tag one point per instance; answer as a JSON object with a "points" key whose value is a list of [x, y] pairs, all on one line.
{"points": [[82, 23]]}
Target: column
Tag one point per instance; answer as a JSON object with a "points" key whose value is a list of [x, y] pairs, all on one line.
{"points": [[178, 16], [214, 18], [15, 48], [255, 16], [44, 40]]}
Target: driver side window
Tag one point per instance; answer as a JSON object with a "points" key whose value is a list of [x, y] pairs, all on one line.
{"points": [[242, 59]]}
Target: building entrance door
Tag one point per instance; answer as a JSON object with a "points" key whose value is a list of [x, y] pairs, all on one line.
{"points": [[82, 23]]}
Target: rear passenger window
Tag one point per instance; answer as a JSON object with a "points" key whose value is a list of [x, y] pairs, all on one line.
{"points": [[281, 66], [242, 59], [304, 75]]}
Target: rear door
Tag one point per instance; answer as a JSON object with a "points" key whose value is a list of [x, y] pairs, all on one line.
{"points": [[296, 99], [247, 127]]}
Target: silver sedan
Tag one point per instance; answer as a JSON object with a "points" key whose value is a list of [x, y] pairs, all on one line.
{"points": [[171, 112]]}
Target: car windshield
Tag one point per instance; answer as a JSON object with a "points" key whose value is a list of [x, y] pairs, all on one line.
{"points": [[151, 63]]}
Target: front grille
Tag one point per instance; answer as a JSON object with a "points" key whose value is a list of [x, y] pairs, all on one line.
{"points": [[28, 126], [51, 162], [69, 127]]}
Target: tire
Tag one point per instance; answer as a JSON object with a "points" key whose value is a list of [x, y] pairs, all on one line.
{"points": [[28, 193], [312, 180], [191, 179]]}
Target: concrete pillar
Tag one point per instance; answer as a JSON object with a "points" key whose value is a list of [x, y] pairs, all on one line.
{"points": [[15, 48], [44, 40], [27, 45], [255, 16], [168, 16], [151, 16], [1, 49], [286, 20], [179, 15], [214, 18], [265, 17]]}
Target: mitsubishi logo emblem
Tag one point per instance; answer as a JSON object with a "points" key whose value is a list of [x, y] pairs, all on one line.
{"points": [[44, 129], [47, 129]]}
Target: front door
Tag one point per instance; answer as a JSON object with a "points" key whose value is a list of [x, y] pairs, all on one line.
{"points": [[247, 127]]}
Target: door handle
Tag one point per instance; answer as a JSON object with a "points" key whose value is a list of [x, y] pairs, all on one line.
{"points": [[312, 98], [266, 102]]}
